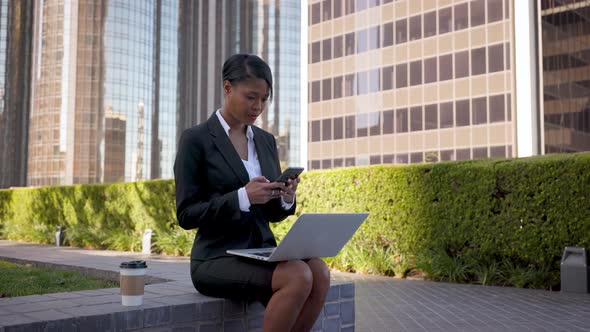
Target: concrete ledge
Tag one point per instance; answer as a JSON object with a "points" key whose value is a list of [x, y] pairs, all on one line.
{"points": [[168, 306], [170, 303]]}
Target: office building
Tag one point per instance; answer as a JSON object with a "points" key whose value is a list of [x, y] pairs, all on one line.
{"points": [[424, 80], [16, 22]]}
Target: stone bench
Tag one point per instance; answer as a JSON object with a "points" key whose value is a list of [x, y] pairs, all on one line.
{"points": [[169, 305]]}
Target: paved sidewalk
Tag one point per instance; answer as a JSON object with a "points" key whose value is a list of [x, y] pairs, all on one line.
{"points": [[382, 304]]}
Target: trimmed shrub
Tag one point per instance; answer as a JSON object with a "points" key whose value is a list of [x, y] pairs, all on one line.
{"points": [[503, 221]]}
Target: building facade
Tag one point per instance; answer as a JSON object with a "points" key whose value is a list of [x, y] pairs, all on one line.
{"points": [[103, 100], [16, 22], [413, 81]]}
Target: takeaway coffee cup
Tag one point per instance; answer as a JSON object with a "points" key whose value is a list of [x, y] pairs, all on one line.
{"points": [[132, 282]]}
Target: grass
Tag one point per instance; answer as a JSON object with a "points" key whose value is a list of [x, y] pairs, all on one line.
{"points": [[20, 280]]}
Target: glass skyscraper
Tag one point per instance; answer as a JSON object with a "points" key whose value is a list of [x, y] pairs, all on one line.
{"points": [[16, 19]]}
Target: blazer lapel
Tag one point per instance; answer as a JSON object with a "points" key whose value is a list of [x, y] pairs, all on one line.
{"points": [[227, 150]]}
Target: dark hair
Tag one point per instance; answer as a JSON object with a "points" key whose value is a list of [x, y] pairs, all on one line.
{"points": [[241, 67]]}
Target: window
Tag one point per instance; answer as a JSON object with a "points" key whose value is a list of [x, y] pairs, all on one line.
{"points": [[478, 13], [349, 162], [316, 52], [479, 110], [463, 154], [445, 20], [508, 109], [416, 118], [507, 56], [494, 10], [462, 111], [337, 47], [326, 163], [498, 151], [349, 86], [361, 41], [479, 153], [363, 82], [461, 64], [327, 89], [375, 160], [430, 70], [401, 31], [360, 5], [430, 117], [478, 61], [337, 8], [374, 38], [401, 120], [388, 34], [431, 156], [374, 80], [388, 158], [315, 164], [315, 131], [348, 6], [327, 9], [430, 24], [316, 13], [446, 115], [338, 128], [349, 43], [327, 49], [497, 108], [496, 56], [401, 75], [387, 78], [388, 122], [445, 67], [337, 87], [416, 27], [315, 91], [375, 123], [338, 162], [350, 128], [416, 72], [461, 16], [326, 129], [416, 157], [373, 3], [446, 155], [362, 125], [401, 158]]}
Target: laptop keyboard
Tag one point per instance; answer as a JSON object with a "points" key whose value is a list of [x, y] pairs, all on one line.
{"points": [[264, 254]]}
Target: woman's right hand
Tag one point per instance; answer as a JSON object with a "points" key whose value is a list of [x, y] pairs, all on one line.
{"points": [[260, 190]]}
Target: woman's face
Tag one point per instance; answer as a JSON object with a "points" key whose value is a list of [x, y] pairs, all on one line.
{"points": [[245, 100]]}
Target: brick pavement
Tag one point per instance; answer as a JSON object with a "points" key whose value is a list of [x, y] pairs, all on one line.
{"points": [[382, 304]]}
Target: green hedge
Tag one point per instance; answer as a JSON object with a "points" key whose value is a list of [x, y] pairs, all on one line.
{"points": [[492, 221]]}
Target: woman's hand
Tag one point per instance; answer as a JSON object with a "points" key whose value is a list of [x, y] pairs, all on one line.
{"points": [[289, 192], [260, 190]]}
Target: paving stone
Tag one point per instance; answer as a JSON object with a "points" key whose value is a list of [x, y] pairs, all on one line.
{"points": [[347, 312], [154, 316], [234, 308], [234, 325]]}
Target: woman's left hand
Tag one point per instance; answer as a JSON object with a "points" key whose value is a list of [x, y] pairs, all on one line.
{"points": [[289, 193]]}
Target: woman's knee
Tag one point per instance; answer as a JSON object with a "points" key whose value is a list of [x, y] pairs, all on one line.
{"points": [[320, 271], [295, 274]]}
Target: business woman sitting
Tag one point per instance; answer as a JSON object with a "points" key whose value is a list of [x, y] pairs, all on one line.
{"points": [[223, 173]]}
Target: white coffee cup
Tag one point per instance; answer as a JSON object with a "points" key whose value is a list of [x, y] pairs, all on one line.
{"points": [[132, 282]]}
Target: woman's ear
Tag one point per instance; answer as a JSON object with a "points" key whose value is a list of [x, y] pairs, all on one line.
{"points": [[227, 87]]}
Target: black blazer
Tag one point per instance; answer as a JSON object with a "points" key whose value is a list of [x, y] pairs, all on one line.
{"points": [[208, 172]]}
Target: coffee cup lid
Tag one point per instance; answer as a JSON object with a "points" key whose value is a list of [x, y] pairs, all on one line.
{"points": [[134, 265]]}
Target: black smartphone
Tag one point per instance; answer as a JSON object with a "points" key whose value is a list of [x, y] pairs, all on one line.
{"points": [[289, 173]]}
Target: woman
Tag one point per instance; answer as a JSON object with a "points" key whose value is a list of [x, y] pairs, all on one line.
{"points": [[223, 172]]}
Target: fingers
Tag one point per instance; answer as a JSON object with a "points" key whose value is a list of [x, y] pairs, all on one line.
{"points": [[260, 179]]}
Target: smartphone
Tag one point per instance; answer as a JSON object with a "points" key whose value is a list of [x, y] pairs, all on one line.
{"points": [[289, 173]]}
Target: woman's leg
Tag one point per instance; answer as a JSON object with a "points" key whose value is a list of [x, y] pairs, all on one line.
{"points": [[292, 283], [315, 302]]}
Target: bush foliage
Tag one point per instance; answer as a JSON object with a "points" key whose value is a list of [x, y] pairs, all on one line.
{"points": [[503, 221]]}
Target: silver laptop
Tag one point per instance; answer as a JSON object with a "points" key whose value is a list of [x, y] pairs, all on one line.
{"points": [[312, 235]]}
